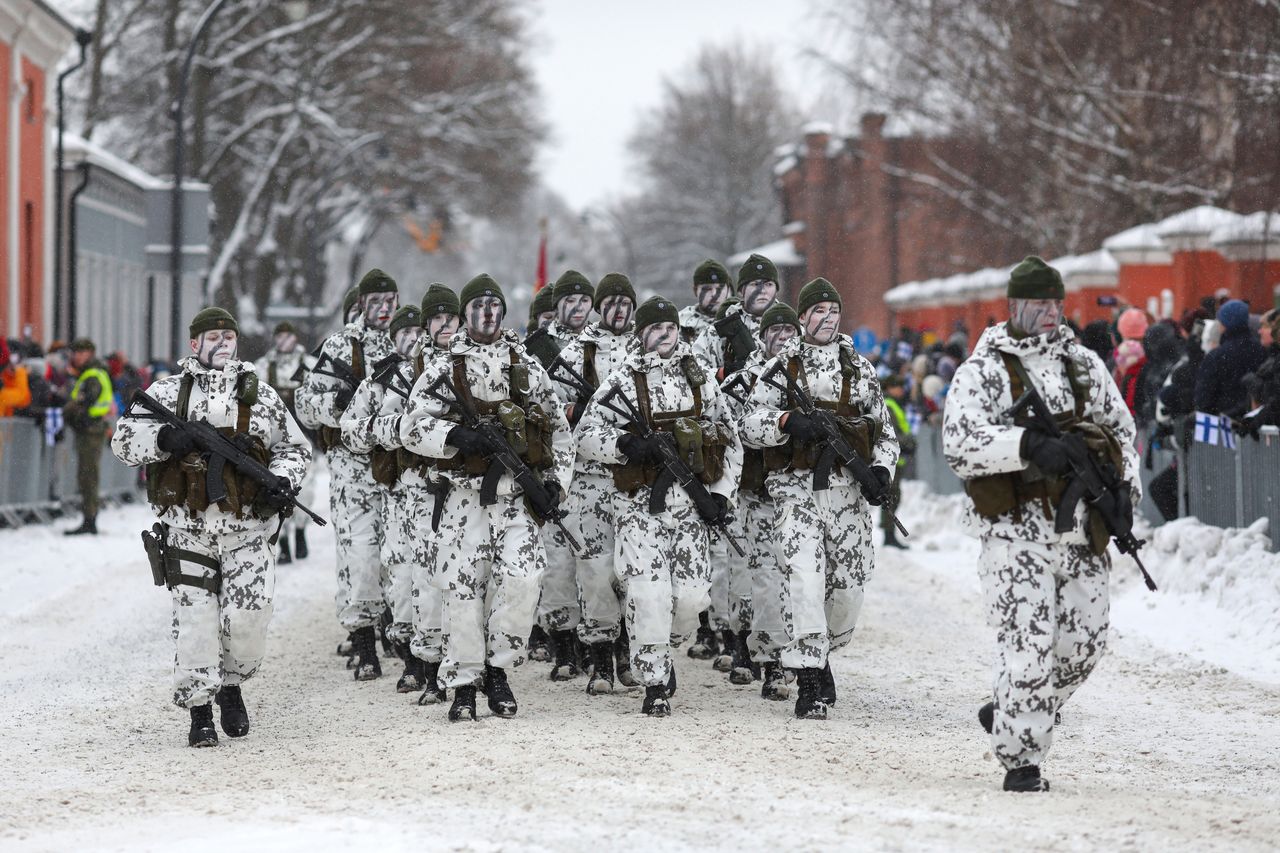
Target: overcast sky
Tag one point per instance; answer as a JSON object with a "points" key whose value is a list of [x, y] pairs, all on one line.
{"points": [[600, 64]]}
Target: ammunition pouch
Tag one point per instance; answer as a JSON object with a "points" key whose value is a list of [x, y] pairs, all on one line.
{"points": [[753, 471], [184, 482], [700, 444], [860, 431], [529, 433], [166, 562], [328, 437], [385, 465]]}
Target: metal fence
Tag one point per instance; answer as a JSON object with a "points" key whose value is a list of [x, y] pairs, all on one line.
{"points": [[38, 482], [930, 466]]}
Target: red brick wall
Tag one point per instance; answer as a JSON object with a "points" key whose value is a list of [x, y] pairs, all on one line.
{"points": [[33, 169]]}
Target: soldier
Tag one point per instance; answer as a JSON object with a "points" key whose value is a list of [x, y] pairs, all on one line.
{"points": [[734, 336], [573, 295], [540, 344], [1046, 592], [542, 310], [220, 557], [86, 411], [491, 555], [355, 498], [283, 368], [592, 604], [370, 425], [825, 533], [895, 394], [662, 555], [711, 285]]}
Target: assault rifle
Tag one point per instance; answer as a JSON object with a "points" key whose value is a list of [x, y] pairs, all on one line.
{"points": [[541, 345], [1096, 481], [220, 451], [836, 451], [340, 370], [674, 469], [739, 343], [575, 380], [504, 458], [387, 371]]}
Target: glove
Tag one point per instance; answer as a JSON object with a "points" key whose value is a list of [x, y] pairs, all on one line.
{"points": [[343, 398], [1049, 454], [174, 441], [279, 495], [801, 427], [547, 507], [636, 448], [468, 440], [719, 515], [885, 481]]}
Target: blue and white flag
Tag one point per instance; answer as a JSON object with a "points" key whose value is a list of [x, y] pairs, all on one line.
{"points": [[914, 418], [52, 425], [1215, 430]]}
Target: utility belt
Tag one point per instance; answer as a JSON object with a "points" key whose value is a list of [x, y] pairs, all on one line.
{"points": [[166, 562], [700, 443], [389, 465]]}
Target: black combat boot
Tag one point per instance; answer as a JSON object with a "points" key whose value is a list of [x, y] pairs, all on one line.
{"points": [[283, 557], [828, 685], [704, 645], [365, 648], [671, 682], [347, 646], [300, 544], [90, 526], [565, 669], [464, 704], [657, 702], [774, 686], [891, 539], [411, 679], [539, 645], [383, 624], [809, 703], [235, 717], [744, 669], [502, 702], [622, 655], [724, 660], [202, 731], [1025, 779], [601, 680], [987, 716], [432, 692]]}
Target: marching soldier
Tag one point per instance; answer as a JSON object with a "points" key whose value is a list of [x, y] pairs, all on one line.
{"points": [[488, 398], [86, 413], [219, 558], [542, 345], [662, 396], [542, 310], [1046, 592], [573, 294], [283, 368], [823, 517], [729, 341], [355, 498], [711, 285]]}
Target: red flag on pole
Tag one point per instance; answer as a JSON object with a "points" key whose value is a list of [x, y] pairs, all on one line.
{"points": [[540, 280]]}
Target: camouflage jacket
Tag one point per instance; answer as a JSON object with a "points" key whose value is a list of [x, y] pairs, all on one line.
{"points": [[693, 322], [286, 365], [611, 349], [317, 399], [978, 437]]}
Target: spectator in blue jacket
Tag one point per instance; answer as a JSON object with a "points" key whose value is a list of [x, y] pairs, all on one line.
{"points": [[1220, 388]]}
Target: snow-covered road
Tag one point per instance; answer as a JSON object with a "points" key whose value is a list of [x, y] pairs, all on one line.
{"points": [[1160, 750]]}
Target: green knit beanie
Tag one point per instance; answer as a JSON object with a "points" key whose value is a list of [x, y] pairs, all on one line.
{"points": [[710, 272], [405, 317], [349, 302], [481, 285], [571, 283], [1034, 279], [544, 300], [285, 326], [656, 309], [779, 313], [818, 290], [757, 268], [614, 284], [726, 305], [209, 319], [376, 281], [439, 300]]}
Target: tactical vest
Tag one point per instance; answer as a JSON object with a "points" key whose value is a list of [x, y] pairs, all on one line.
{"points": [[589, 349], [389, 464], [700, 443], [183, 482], [273, 379], [861, 430], [329, 437]]}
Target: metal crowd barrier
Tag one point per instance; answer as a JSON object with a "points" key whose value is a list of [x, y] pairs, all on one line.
{"points": [[1235, 487], [38, 482], [930, 466]]}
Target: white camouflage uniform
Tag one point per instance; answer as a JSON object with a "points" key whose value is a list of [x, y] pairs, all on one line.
{"points": [[1045, 593], [282, 367], [220, 639], [693, 322]]}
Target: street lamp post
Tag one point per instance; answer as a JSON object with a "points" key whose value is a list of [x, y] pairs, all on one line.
{"points": [[84, 38]]}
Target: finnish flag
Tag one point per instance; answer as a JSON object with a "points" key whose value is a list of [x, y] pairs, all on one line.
{"points": [[1215, 430]]}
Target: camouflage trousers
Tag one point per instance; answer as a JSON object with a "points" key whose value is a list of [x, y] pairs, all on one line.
{"points": [[730, 608], [558, 608], [357, 506], [307, 497], [405, 506], [489, 565], [1049, 606], [827, 555], [427, 640], [666, 581], [769, 603], [220, 639], [598, 588]]}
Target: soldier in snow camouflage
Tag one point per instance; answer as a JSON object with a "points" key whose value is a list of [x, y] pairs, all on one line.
{"points": [[825, 534], [1046, 593], [219, 626]]}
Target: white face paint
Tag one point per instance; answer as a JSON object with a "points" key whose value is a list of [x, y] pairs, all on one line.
{"points": [[777, 335], [378, 308], [484, 319], [661, 338], [406, 338], [215, 348], [573, 310], [545, 319], [758, 295], [709, 296], [615, 312], [1035, 316], [286, 342], [821, 323], [441, 328]]}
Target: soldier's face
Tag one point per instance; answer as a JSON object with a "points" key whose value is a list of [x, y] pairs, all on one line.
{"points": [[821, 323], [378, 308], [544, 319], [777, 335], [405, 339], [615, 313], [759, 295], [441, 328], [709, 296], [286, 342], [1035, 316], [484, 319], [573, 310], [215, 348], [661, 338]]}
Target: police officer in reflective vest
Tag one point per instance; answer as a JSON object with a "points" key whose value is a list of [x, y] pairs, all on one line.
{"points": [[86, 413]]}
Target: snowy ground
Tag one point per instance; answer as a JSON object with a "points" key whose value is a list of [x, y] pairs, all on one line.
{"points": [[1174, 743]]}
